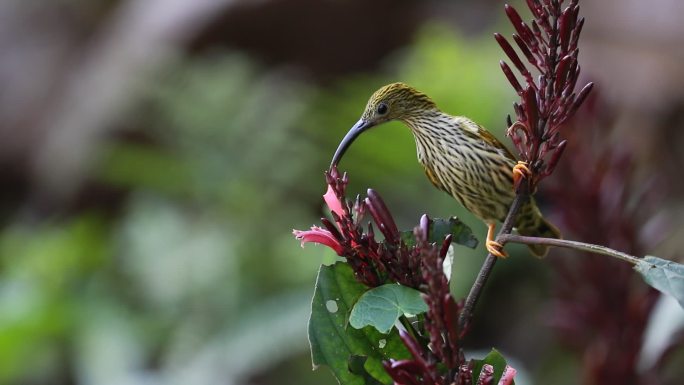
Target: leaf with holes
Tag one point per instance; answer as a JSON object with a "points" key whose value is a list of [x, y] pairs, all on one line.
{"points": [[334, 342]]}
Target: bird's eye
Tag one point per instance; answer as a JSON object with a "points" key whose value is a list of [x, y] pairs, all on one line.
{"points": [[382, 108]]}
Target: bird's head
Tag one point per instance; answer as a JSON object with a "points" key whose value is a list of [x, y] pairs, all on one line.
{"points": [[396, 101]]}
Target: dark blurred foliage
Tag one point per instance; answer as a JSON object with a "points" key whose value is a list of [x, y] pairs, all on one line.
{"points": [[156, 154], [617, 202]]}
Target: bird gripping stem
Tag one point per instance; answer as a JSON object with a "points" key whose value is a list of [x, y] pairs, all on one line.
{"points": [[521, 197]]}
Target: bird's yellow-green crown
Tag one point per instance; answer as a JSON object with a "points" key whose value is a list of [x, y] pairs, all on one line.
{"points": [[396, 101]]}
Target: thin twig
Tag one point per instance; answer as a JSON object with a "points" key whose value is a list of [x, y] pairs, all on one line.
{"points": [[476, 290], [596, 249]]}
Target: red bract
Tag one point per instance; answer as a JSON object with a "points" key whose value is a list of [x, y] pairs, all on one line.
{"points": [[549, 46], [441, 324]]}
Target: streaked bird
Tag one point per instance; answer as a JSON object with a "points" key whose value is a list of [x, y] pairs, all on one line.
{"points": [[459, 157]]}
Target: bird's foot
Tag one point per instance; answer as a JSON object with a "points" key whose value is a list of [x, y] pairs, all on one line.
{"points": [[494, 247], [520, 171]]}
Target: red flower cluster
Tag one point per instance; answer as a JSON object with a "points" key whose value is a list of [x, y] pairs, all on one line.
{"points": [[374, 263], [549, 44], [437, 357]]}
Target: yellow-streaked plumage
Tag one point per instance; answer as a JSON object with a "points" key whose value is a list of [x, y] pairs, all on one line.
{"points": [[459, 157]]}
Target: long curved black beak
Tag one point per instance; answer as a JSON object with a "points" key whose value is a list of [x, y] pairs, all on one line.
{"points": [[348, 139]]}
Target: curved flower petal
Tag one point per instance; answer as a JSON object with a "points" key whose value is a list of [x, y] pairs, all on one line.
{"points": [[333, 202], [320, 236]]}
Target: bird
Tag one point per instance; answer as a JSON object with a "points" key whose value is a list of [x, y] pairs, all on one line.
{"points": [[460, 158]]}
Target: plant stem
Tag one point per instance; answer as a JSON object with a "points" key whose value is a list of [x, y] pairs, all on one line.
{"points": [[476, 290], [596, 249], [412, 331]]}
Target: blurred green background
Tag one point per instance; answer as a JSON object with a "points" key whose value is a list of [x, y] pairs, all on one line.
{"points": [[156, 155]]}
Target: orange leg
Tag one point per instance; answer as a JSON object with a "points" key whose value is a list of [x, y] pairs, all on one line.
{"points": [[520, 171], [494, 247]]}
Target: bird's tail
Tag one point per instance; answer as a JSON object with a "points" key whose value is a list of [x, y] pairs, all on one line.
{"points": [[532, 223]]}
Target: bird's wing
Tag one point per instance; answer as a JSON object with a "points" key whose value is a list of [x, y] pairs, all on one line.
{"points": [[476, 131], [493, 141]]}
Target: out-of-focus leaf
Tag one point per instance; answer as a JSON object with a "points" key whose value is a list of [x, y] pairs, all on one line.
{"points": [[440, 228], [333, 341], [163, 172], [380, 307], [498, 363], [664, 275], [44, 268]]}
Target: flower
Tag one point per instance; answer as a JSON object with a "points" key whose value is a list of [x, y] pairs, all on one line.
{"points": [[373, 262], [333, 201], [410, 259], [549, 45], [321, 236]]}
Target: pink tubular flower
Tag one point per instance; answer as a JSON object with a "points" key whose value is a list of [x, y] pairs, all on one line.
{"points": [[507, 376], [373, 262], [331, 236], [486, 376], [321, 236], [333, 201]]}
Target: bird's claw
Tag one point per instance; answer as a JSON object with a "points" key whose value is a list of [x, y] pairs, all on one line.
{"points": [[496, 249], [520, 171]]}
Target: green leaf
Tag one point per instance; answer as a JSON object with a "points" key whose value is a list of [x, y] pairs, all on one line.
{"points": [[495, 359], [333, 342], [462, 234], [664, 275], [440, 228], [357, 365], [380, 307]]}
